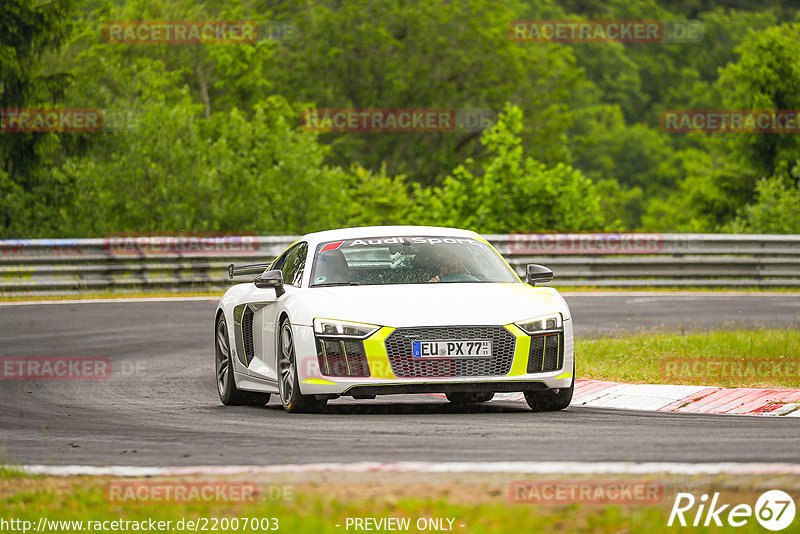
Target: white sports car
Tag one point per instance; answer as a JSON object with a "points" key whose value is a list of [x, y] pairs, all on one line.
{"points": [[378, 310]]}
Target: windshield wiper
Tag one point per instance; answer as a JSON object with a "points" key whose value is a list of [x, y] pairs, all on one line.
{"points": [[331, 284]]}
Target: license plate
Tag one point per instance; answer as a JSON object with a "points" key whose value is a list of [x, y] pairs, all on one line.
{"points": [[452, 348]]}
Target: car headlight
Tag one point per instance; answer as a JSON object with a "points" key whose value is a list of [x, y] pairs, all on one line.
{"points": [[334, 328], [545, 323]]}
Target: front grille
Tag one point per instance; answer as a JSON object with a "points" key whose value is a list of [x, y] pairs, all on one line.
{"points": [[404, 365], [247, 335], [546, 354], [342, 357]]}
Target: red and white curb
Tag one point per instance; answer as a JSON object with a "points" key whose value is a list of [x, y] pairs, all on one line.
{"points": [[518, 467], [684, 399]]}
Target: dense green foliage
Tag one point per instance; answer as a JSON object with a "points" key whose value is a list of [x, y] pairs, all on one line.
{"points": [[212, 140]]}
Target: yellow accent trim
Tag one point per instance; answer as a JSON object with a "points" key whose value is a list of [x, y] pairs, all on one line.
{"points": [[564, 375], [519, 366], [319, 382], [378, 360]]}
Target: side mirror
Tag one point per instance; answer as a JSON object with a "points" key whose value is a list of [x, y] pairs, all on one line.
{"points": [[271, 279], [537, 273]]}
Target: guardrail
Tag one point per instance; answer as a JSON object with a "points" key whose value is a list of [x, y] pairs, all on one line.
{"points": [[178, 264]]}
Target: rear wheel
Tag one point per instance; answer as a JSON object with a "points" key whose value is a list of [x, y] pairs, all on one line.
{"points": [[470, 398], [551, 400], [229, 394], [291, 398]]}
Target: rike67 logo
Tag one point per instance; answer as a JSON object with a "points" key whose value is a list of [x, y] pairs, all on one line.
{"points": [[774, 510]]}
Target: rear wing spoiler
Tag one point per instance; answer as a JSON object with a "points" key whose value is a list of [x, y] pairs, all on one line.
{"points": [[244, 270]]}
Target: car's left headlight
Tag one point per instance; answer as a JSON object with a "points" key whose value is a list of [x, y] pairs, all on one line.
{"points": [[335, 328], [546, 353], [539, 325]]}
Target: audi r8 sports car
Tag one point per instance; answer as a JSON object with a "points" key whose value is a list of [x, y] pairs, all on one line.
{"points": [[370, 311]]}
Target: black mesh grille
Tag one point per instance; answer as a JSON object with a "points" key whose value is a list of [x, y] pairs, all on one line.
{"points": [[399, 350], [546, 354], [247, 334], [342, 358]]}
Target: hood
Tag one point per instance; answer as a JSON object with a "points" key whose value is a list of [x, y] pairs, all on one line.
{"points": [[433, 304]]}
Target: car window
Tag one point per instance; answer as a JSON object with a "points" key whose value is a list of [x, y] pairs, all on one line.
{"points": [[292, 264], [281, 261], [407, 260]]}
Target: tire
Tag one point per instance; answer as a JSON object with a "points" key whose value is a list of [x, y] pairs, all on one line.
{"points": [[469, 398], [229, 394], [291, 398], [551, 400]]}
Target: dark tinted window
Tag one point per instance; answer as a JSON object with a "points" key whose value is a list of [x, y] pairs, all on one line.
{"points": [[281, 261], [408, 260], [292, 264]]}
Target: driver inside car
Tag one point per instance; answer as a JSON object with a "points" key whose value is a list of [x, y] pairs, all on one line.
{"points": [[449, 265], [442, 266], [332, 268]]}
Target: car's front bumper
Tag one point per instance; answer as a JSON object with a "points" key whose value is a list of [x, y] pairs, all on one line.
{"points": [[382, 379]]}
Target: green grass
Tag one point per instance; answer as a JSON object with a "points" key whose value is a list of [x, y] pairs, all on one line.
{"points": [[319, 510], [677, 289], [695, 358], [114, 295], [133, 293], [7, 472]]}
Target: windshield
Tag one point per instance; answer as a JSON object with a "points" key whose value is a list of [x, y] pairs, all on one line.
{"points": [[407, 260]]}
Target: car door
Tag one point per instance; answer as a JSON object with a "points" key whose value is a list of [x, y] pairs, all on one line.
{"points": [[264, 364]]}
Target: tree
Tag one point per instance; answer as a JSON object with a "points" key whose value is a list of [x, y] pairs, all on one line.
{"points": [[28, 31], [425, 54], [181, 172], [712, 191], [766, 77], [510, 192], [775, 210]]}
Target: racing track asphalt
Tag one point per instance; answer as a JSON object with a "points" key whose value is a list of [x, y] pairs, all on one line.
{"points": [[160, 406]]}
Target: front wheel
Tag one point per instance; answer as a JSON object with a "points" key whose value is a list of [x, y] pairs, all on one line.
{"points": [[551, 400], [229, 394], [291, 398]]}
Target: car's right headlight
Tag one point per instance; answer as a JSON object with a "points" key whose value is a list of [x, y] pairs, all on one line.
{"points": [[334, 328], [539, 325], [340, 347]]}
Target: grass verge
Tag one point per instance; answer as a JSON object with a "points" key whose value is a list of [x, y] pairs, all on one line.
{"points": [[564, 289], [113, 295], [474, 503], [768, 358], [676, 289]]}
